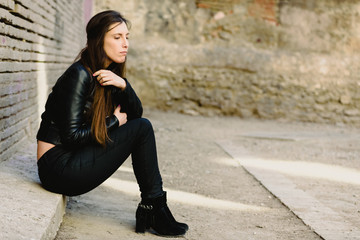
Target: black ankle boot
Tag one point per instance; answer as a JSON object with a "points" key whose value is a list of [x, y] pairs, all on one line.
{"points": [[155, 214]]}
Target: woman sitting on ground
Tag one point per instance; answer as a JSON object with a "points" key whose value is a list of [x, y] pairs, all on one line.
{"points": [[92, 123]]}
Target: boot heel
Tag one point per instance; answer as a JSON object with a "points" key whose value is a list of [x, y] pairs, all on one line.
{"points": [[140, 226], [142, 221]]}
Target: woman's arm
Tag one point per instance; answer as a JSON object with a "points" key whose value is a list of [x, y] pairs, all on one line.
{"points": [[129, 101], [123, 93], [71, 91]]}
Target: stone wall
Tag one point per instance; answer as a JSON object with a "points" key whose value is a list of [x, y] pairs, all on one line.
{"points": [[270, 59], [38, 40]]}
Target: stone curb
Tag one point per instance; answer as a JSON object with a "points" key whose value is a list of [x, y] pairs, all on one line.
{"points": [[27, 210]]}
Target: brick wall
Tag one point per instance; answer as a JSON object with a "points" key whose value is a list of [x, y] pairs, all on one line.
{"points": [[38, 40]]}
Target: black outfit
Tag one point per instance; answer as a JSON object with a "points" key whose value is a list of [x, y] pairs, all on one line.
{"points": [[77, 164]]}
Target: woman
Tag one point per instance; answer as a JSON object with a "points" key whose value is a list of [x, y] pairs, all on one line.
{"points": [[92, 123]]}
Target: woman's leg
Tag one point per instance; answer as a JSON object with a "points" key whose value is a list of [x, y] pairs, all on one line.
{"points": [[79, 171], [74, 173], [145, 163]]}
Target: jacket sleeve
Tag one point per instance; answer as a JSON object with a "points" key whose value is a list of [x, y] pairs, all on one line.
{"points": [[129, 101], [71, 91]]}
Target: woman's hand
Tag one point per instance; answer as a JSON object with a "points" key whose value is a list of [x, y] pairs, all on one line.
{"points": [[122, 117], [108, 78]]}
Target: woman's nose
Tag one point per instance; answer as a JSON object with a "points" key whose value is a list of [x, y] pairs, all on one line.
{"points": [[125, 43]]}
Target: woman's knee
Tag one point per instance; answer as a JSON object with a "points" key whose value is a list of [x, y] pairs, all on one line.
{"points": [[141, 123], [146, 122], [145, 127]]}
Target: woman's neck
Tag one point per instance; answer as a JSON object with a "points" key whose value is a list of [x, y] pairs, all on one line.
{"points": [[107, 63]]}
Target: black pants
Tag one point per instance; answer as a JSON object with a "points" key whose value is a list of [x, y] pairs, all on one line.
{"points": [[78, 171]]}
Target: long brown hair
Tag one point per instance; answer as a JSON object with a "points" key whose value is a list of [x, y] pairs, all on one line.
{"points": [[93, 57]]}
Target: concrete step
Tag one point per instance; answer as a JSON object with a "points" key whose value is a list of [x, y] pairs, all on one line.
{"points": [[27, 211]]}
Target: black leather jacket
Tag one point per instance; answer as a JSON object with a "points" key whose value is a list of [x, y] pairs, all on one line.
{"points": [[64, 121]]}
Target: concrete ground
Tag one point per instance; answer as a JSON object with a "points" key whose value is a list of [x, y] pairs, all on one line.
{"points": [[236, 179]]}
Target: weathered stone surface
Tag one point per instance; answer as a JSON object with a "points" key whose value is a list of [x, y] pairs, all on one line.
{"points": [[268, 59]]}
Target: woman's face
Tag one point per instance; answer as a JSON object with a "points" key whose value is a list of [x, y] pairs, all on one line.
{"points": [[116, 43]]}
